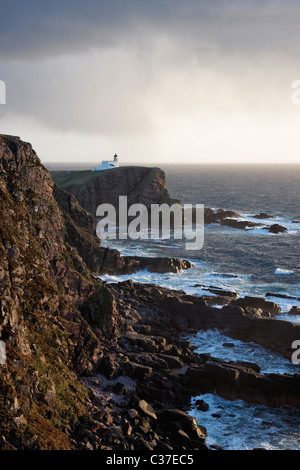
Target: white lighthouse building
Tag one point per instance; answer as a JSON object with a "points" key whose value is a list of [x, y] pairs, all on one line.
{"points": [[108, 164]]}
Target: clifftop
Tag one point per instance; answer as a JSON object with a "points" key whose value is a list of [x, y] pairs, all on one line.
{"points": [[91, 188]]}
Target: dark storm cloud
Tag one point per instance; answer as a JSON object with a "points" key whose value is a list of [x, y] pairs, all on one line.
{"points": [[155, 74], [38, 29]]}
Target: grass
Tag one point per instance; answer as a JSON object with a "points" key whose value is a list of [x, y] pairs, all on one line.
{"points": [[68, 178]]}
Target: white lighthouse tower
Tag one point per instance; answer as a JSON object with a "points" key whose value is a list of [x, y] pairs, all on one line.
{"points": [[108, 164]]}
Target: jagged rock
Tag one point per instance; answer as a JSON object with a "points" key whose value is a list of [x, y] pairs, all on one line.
{"points": [[147, 409], [202, 405], [173, 417], [138, 371], [276, 228], [263, 215], [221, 292], [241, 224], [259, 303], [282, 296], [294, 310], [216, 216]]}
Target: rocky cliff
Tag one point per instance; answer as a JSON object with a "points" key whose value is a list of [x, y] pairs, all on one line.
{"points": [[57, 320], [43, 284], [140, 184]]}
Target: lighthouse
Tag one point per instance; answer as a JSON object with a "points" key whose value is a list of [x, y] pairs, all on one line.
{"points": [[108, 164]]}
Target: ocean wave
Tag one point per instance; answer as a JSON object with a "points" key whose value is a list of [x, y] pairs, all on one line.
{"points": [[282, 271], [230, 275], [211, 342], [244, 426]]}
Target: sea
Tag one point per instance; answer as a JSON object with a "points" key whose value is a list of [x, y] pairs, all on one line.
{"points": [[250, 262]]}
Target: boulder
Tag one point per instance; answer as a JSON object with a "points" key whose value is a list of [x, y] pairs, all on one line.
{"points": [[263, 215], [212, 216], [221, 292], [258, 303], [241, 224], [294, 310], [201, 405], [147, 409], [138, 371], [276, 228], [282, 296], [175, 418]]}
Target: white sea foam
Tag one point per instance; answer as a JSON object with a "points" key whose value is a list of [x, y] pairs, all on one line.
{"points": [[245, 426], [290, 318], [282, 271], [211, 342]]}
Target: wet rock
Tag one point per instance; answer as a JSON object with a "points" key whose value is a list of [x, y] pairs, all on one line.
{"points": [[240, 224], [156, 265], [294, 310], [221, 292], [188, 424], [276, 228], [263, 215], [115, 432], [258, 303], [172, 361], [202, 405], [138, 371], [216, 300], [222, 373], [282, 296]]}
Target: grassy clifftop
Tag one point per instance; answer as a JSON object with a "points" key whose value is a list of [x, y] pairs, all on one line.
{"points": [[67, 178]]}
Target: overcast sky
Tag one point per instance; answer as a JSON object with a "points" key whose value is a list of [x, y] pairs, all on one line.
{"points": [[168, 81]]}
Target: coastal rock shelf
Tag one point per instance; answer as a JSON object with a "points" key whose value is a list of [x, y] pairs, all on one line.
{"points": [[146, 186]]}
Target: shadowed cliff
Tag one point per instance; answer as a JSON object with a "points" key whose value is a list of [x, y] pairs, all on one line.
{"points": [[56, 317], [91, 188]]}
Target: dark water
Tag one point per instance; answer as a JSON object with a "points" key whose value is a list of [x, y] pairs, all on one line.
{"points": [[263, 188], [263, 262], [248, 190]]}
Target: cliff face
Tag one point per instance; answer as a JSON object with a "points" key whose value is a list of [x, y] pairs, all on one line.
{"points": [[44, 287], [141, 185], [57, 320]]}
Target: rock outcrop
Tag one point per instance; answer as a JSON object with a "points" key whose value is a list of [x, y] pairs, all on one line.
{"points": [[276, 228], [140, 184], [57, 320], [43, 284]]}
